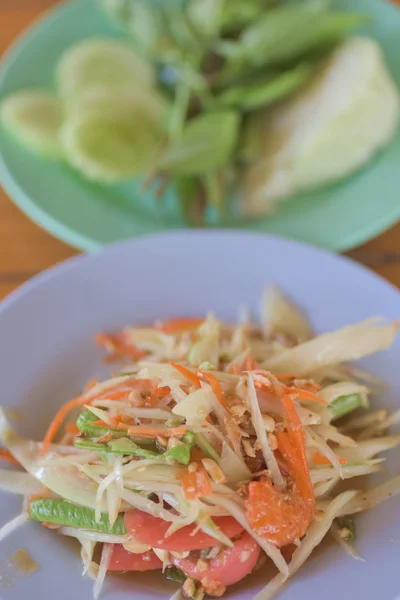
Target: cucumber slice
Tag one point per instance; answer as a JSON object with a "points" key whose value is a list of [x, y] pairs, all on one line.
{"points": [[111, 147], [61, 512], [126, 98], [34, 117], [101, 61]]}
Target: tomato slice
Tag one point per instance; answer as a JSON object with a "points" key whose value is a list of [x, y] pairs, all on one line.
{"points": [[230, 566], [151, 531], [122, 560]]}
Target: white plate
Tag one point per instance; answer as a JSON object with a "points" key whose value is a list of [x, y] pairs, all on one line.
{"points": [[47, 354]]}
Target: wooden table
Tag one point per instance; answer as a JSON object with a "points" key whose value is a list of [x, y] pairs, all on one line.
{"points": [[25, 249]]}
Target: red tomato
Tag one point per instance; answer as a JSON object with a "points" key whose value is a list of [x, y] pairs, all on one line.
{"points": [[122, 560], [229, 567], [151, 531]]}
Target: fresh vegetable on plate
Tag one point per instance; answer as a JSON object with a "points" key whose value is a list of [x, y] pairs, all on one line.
{"points": [[218, 447], [234, 105]]}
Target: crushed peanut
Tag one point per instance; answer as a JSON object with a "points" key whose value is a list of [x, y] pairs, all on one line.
{"points": [[248, 448], [161, 441], [192, 467], [136, 399], [238, 410], [189, 588], [214, 470], [212, 588], [345, 533], [107, 437], [269, 423], [273, 442], [202, 565]]}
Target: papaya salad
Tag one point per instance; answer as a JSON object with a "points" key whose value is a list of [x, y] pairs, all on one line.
{"points": [[212, 450]]}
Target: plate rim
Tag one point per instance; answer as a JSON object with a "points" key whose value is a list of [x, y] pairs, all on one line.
{"points": [[69, 263], [86, 242]]}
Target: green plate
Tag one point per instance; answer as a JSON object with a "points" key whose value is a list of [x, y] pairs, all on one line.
{"points": [[88, 215]]}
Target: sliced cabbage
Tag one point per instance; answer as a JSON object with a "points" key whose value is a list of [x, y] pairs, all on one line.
{"points": [[156, 342], [364, 421], [369, 499], [93, 536], [87, 551], [280, 315], [316, 441], [367, 449], [207, 346], [104, 562], [350, 343], [331, 433], [19, 483], [233, 465], [259, 427], [63, 479], [347, 471], [379, 428], [196, 406]]}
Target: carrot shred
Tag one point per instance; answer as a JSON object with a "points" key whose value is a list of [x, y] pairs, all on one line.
{"points": [[320, 459], [285, 376], [154, 432], [90, 384], [8, 457], [295, 431], [302, 394], [118, 347], [234, 369], [58, 420], [158, 393], [190, 376], [292, 458], [117, 395], [215, 386], [196, 484], [180, 324], [250, 364], [71, 428]]}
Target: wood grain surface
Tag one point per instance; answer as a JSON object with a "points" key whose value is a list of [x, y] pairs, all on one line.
{"points": [[25, 249]]}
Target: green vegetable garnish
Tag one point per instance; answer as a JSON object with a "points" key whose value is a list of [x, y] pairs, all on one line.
{"points": [[345, 404], [61, 512], [120, 444], [174, 574], [85, 424]]}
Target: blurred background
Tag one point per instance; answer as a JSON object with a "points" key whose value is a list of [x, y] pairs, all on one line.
{"points": [[26, 249]]}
